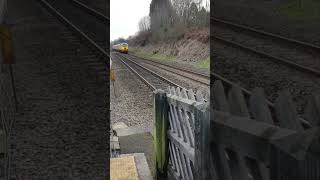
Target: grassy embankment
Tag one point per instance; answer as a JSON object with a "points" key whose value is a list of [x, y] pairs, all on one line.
{"points": [[301, 9], [202, 64]]}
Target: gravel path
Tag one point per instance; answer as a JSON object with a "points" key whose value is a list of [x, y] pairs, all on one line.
{"points": [[61, 129], [133, 102], [252, 71]]}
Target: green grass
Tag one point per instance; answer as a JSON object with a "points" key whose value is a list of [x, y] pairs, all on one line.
{"points": [[157, 57], [301, 9], [204, 64]]}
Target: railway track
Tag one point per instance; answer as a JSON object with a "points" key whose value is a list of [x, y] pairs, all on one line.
{"points": [[148, 76], [295, 54], [88, 24], [266, 34], [254, 36], [152, 78], [101, 6], [198, 77]]}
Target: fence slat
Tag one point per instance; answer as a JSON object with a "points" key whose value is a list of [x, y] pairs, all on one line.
{"points": [[286, 112], [259, 107], [238, 107], [218, 153], [177, 165], [260, 112], [199, 96], [237, 102], [179, 123], [182, 164], [313, 110], [219, 97], [191, 95], [185, 147]]}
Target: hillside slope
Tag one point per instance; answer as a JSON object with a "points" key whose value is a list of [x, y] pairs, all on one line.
{"points": [[192, 47]]}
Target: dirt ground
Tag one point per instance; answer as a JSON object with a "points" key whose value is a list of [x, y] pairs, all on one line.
{"points": [[193, 47]]}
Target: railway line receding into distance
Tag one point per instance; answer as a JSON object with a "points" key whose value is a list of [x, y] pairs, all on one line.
{"points": [[149, 74], [87, 23]]}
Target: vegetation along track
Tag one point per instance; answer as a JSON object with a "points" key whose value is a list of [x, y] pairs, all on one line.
{"points": [[152, 78], [192, 75], [83, 20]]}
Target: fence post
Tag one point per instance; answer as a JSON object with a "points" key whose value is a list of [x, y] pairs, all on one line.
{"points": [[160, 134], [202, 144]]}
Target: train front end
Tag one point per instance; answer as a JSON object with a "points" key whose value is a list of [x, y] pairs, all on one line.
{"points": [[124, 48]]}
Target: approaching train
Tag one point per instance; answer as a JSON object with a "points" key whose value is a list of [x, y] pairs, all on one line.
{"points": [[122, 47]]}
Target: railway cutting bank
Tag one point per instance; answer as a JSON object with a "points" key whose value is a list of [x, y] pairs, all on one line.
{"points": [[61, 123]]}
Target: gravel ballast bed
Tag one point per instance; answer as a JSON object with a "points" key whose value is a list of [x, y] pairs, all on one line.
{"points": [[133, 103], [179, 63], [252, 71], [61, 130], [101, 6], [182, 81], [280, 49]]}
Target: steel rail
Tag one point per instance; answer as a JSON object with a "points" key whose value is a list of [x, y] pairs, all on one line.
{"points": [[140, 76], [91, 11], [74, 28], [271, 57], [267, 34], [176, 68], [153, 73]]}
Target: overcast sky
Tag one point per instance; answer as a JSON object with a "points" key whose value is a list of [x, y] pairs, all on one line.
{"points": [[125, 15]]}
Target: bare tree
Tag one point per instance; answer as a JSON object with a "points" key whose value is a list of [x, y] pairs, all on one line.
{"points": [[144, 24], [161, 15], [171, 18], [189, 12]]}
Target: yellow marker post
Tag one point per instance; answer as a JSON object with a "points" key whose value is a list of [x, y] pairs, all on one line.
{"points": [[8, 55], [112, 78], [6, 45], [112, 75]]}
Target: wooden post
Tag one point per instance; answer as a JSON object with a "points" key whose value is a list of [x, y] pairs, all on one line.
{"points": [[6, 45], [160, 134], [202, 148]]}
